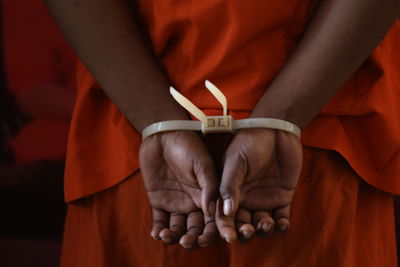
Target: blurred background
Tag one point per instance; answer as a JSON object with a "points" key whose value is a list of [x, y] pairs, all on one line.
{"points": [[37, 91]]}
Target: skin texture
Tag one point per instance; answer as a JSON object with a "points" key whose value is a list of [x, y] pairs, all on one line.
{"points": [[106, 38], [337, 41], [180, 179], [335, 44], [260, 176]]}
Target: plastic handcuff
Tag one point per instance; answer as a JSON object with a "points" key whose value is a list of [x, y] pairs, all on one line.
{"points": [[215, 124]]}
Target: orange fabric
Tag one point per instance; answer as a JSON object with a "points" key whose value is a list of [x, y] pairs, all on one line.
{"points": [[240, 46], [337, 220]]}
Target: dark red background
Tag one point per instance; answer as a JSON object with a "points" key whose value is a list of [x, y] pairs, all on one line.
{"points": [[37, 90]]}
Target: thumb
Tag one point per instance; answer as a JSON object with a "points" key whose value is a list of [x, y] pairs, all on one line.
{"points": [[234, 172]]}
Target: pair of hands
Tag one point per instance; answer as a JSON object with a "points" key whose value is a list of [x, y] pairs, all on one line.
{"points": [[191, 204]]}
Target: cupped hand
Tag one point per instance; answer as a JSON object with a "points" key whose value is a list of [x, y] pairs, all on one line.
{"points": [[260, 175], [179, 176]]}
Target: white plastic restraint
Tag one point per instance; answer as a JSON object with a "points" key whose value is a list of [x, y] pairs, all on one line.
{"points": [[215, 124]]}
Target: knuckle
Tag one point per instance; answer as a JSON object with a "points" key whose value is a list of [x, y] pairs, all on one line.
{"points": [[195, 229], [226, 190], [177, 228], [159, 224]]}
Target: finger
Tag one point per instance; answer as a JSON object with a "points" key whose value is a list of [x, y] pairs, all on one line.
{"points": [[195, 225], [234, 172], [177, 227], [281, 217], [160, 222], [207, 180], [263, 223], [209, 234], [243, 224], [225, 224]]}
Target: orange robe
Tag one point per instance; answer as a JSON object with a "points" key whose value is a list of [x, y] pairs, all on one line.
{"points": [[336, 220], [240, 46]]}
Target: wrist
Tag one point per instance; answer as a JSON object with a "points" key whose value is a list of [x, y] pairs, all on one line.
{"points": [[140, 119], [217, 124], [297, 106], [282, 114]]}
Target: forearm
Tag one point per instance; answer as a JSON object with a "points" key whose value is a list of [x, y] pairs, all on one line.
{"points": [[106, 38], [339, 38]]}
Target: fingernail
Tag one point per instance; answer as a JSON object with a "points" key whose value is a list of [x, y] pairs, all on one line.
{"points": [[202, 242], [260, 226], [154, 236], [246, 234], [227, 239], [203, 245], [266, 227], [228, 206], [166, 239], [283, 227], [211, 209], [230, 237], [186, 245]]}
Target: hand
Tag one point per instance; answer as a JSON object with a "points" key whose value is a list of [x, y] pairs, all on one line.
{"points": [[260, 174], [179, 176]]}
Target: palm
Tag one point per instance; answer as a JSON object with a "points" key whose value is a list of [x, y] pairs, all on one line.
{"points": [[260, 174], [180, 180], [273, 166], [169, 174]]}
